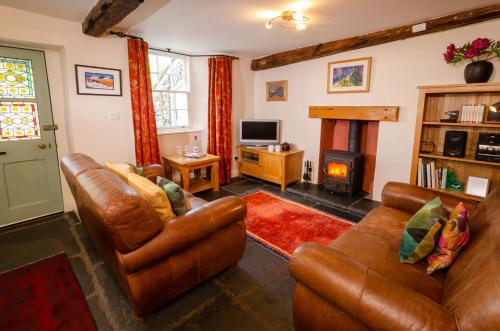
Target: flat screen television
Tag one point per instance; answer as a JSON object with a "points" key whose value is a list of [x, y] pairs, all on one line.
{"points": [[259, 132]]}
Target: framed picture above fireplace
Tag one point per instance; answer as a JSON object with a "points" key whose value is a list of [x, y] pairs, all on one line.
{"points": [[349, 76]]}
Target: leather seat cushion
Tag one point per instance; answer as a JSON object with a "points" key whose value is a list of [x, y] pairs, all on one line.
{"points": [[375, 243]]}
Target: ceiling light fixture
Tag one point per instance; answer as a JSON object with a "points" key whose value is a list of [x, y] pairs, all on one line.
{"points": [[300, 26], [289, 19]]}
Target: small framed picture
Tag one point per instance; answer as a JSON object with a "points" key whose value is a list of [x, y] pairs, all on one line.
{"points": [[277, 90], [98, 81], [477, 186], [349, 76]]}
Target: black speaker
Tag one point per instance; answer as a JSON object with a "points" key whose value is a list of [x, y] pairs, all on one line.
{"points": [[454, 143]]}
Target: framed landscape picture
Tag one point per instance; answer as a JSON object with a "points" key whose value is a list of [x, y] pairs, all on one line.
{"points": [[277, 90], [349, 76], [98, 81]]}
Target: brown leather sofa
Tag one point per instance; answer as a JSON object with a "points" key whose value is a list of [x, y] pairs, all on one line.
{"points": [[358, 282], [153, 261]]}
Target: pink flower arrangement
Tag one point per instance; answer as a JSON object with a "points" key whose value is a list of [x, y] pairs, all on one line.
{"points": [[481, 49]]}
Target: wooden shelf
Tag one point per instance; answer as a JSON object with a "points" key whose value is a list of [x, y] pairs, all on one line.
{"points": [[467, 159], [458, 194], [472, 125], [199, 184]]}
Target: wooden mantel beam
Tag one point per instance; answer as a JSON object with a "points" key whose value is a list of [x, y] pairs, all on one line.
{"points": [[362, 113], [106, 14], [376, 38]]}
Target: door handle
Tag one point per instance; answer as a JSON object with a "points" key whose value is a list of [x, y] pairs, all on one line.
{"points": [[3, 153], [42, 146]]}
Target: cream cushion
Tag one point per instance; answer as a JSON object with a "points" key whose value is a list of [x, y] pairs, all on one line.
{"points": [[120, 169], [153, 194]]}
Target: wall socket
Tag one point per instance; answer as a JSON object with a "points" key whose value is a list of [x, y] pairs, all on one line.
{"points": [[114, 116], [419, 27]]}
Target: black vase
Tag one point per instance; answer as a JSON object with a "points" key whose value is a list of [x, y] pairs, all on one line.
{"points": [[478, 72]]}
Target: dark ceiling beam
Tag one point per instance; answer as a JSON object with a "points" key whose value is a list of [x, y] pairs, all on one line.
{"points": [[106, 14], [376, 38]]}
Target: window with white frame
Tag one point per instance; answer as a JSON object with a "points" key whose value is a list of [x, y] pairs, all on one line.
{"points": [[170, 85]]}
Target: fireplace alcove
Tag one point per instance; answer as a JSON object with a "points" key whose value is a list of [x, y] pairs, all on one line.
{"points": [[334, 136]]}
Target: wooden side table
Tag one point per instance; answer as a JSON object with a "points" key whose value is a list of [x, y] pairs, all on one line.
{"points": [[185, 165]]}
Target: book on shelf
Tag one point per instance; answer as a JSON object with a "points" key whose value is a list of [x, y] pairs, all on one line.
{"points": [[419, 174], [429, 176], [472, 114], [433, 174]]}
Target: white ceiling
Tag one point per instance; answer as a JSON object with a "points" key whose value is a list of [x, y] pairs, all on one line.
{"points": [[237, 26], [67, 10]]}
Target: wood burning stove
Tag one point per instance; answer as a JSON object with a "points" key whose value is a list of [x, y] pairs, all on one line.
{"points": [[344, 169]]}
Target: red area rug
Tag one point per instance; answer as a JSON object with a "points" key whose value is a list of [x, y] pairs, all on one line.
{"points": [[44, 295], [284, 225]]}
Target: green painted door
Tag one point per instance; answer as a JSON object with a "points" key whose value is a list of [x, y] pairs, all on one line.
{"points": [[30, 186]]}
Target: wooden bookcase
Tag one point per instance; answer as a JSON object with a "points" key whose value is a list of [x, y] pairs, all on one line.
{"points": [[433, 102]]}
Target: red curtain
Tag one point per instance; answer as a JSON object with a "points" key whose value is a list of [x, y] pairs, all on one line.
{"points": [[219, 113], [146, 139]]}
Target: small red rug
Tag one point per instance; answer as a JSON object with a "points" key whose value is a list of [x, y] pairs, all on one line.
{"points": [[284, 225], [44, 295]]}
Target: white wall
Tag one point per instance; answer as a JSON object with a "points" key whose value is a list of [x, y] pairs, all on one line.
{"points": [[83, 120], [397, 69]]}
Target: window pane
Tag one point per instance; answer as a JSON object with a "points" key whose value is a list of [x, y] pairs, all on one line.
{"points": [[158, 110], [154, 81], [16, 78], [178, 75], [166, 109], [18, 121], [180, 101], [164, 63], [163, 82], [182, 117]]}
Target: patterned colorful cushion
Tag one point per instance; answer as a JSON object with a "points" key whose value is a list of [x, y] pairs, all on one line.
{"points": [[180, 204], [120, 169], [454, 237], [422, 232], [154, 195]]}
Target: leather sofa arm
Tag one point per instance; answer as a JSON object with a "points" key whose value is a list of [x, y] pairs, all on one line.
{"points": [[373, 299], [151, 171], [410, 198], [184, 231]]}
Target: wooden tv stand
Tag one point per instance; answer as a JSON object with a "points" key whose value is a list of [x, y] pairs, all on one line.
{"points": [[277, 167]]}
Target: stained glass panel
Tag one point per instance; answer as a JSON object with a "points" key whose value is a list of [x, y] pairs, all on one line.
{"points": [[16, 78], [18, 121]]}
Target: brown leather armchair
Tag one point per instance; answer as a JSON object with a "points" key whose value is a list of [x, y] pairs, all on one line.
{"points": [[358, 282], [153, 261]]}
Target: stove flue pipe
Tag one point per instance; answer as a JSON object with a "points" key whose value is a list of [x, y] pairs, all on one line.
{"points": [[354, 136]]}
